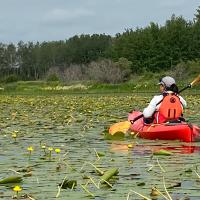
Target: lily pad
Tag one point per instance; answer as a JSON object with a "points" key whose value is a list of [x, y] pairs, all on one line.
{"points": [[109, 174], [68, 184], [11, 179], [162, 152]]}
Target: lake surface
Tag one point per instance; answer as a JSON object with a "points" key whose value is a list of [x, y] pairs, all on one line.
{"points": [[75, 125]]}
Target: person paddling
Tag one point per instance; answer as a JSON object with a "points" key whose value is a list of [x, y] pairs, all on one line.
{"points": [[167, 106]]}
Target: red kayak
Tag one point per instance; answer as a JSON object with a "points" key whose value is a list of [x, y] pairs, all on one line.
{"points": [[181, 131]]}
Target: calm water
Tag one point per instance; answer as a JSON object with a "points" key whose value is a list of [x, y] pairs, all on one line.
{"points": [[75, 125]]}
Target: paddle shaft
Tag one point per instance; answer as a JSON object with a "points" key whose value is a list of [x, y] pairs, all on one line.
{"points": [[134, 120], [188, 86]]}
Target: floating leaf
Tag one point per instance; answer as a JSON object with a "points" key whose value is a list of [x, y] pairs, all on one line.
{"points": [[101, 154], [162, 152], [68, 184], [188, 171], [109, 174], [174, 185], [11, 179], [141, 184]]}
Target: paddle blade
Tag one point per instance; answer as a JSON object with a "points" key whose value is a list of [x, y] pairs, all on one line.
{"points": [[195, 81], [120, 127]]}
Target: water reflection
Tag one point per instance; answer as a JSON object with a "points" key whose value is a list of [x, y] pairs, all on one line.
{"points": [[184, 149], [145, 149]]}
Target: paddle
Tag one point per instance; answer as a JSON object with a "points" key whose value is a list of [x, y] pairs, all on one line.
{"points": [[194, 82], [134, 120], [124, 126]]}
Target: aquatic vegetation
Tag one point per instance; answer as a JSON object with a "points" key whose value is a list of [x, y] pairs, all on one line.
{"points": [[162, 152], [14, 136], [30, 150], [130, 145], [57, 150], [11, 179], [44, 149], [50, 152], [71, 184], [70, 131], [109, 174], [17, 189]]}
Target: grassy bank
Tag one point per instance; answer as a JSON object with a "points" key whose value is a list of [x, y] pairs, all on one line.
{"points": [[135, 85]]}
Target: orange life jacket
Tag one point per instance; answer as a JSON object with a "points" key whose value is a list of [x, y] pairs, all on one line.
{"points": [[171, 107]]}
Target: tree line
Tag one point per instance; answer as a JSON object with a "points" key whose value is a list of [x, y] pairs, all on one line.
{"points": [[100, 57]]}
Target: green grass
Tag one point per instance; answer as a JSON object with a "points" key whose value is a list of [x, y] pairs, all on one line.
{"points": [[144, 83]]}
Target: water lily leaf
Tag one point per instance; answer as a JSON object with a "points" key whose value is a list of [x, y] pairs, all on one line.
{"points": [[109, 174], [174, 185], [112, 120], [188, 170], [79, 120], [11, 179], [68, 184], [141, 184], [162, 152], [101, 154]]}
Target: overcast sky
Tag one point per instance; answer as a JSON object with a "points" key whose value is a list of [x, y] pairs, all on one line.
{"points": [[47, 20]]}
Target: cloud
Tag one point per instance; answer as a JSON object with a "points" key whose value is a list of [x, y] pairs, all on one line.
{"points": [[46, 20], [173, 4], [58, 15]]}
